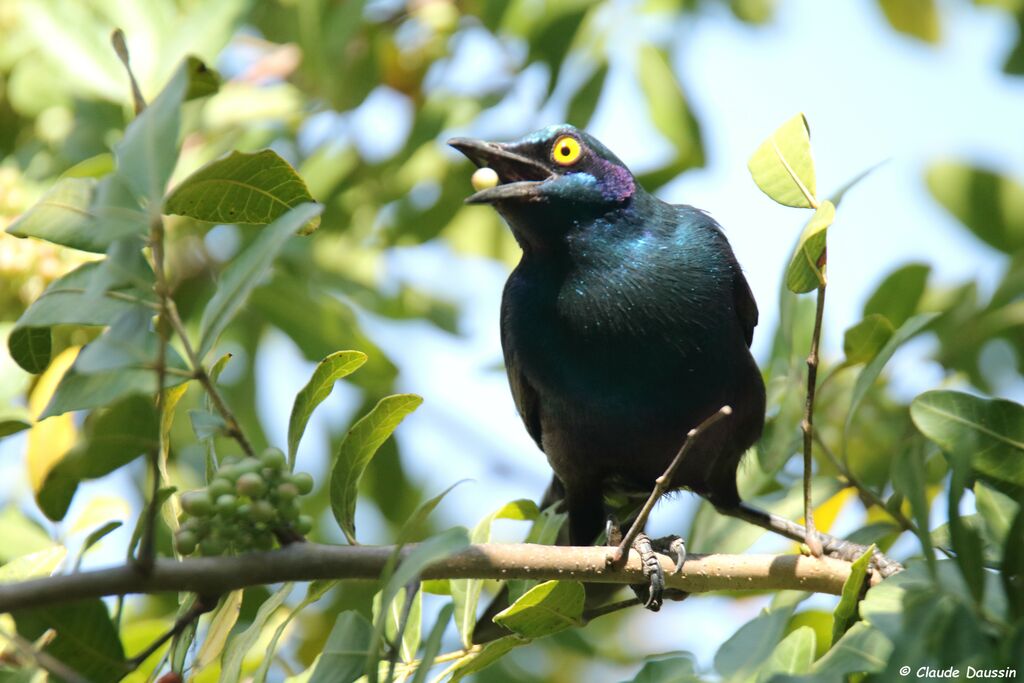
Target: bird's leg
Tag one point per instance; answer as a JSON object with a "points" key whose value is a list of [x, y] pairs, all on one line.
{"points": [[831, 546], [651, 594], [662, 483]]}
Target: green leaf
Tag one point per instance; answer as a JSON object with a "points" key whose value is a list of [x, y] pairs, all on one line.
{"points": [[783, 167], [86, 638], [866, 378], [863, 341], [466, 592], [669, 670], [131, 342], [1012, 574], [747, 649], [22, 536], [393, 622], [328, 371], [433, 645], [899, 295], [413, 525], [988, 433], [478, 660], [202, 80], [845, 614], [246, 271], [95, 537], [30, 347], [80, 391], [113, 438], [910, 479], [222, 621], [240, 644], [207, 425], [67, 301], [966, 539], [793, 655], [915, 18], [253, 188], [148, 152], [40, 563], [862, 649], [997, 510], [584, 102], [356, 451], [315, 591], [63, 216], [344, 655], [667, 107], [989, 204], [806, 271], [546, 608], [14, 420]]}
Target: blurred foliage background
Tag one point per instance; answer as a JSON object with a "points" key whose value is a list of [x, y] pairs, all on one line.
{"points": [[359, 97]]}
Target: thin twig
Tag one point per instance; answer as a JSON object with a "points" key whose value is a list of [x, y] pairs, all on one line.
{"points": [[865, 493], [310, 561], [807, 425], [234, 429], [662, 484], [201, 606], [43, 660]]}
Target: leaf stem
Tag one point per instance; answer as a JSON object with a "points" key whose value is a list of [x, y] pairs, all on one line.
{"points": [[807, 425]]}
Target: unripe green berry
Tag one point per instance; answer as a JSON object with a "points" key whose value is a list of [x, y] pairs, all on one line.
{"points": [[273, 458], [304, 524], [287, 491], [251, 484], [219, 487], [303, 482], [243, 510], [226, 503], [196, 503], [290, 511], [185, 541], [264, 541], [231, 472], [249, 465], [262, 511]]}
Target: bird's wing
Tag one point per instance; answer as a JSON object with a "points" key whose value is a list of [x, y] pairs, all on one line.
{"points": [[525, 396], [746, 307]]}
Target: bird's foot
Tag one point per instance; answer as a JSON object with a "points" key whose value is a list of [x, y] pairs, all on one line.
{"points": [[651, 595], [674, 547]]}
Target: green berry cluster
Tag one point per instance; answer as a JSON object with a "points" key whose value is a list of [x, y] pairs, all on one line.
{"points": [[241, 508]]}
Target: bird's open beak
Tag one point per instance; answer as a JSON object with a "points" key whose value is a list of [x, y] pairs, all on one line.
{"points": [[518, 176]]}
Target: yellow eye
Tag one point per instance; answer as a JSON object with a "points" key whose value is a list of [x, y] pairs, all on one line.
{"points": [[566, 150]]}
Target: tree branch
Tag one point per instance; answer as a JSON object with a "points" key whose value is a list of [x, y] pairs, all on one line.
{"points": [[310, 561]]}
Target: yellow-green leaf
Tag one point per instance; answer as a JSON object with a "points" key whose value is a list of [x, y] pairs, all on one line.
{"points": [[332, 368], [806, 271], [783, 167], [846, 611], [546, 608], [253, 188], [863, 341], [356, 451], [916, 18]]}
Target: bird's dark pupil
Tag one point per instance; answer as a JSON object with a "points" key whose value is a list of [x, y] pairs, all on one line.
{"points": [[565, 150]]}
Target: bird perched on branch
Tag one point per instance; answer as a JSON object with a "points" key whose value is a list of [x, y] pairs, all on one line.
{"points": [[627, 323]]}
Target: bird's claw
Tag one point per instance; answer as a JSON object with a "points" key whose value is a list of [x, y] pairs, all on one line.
{"points": [[655, 588], [673, 546]]}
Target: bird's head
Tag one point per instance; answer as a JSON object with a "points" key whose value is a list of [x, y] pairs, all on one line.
{"points": [[550, 180]]}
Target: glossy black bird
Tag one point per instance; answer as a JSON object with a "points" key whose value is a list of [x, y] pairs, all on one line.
{"points": [[627, 322]]}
